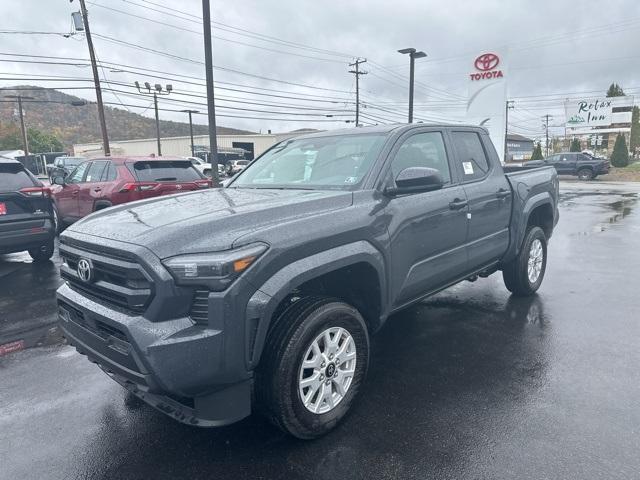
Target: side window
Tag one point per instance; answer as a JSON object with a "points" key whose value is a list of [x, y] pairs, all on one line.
{"points": [[422, 150], [109, 174], [472, 159], [78, 174], [96, 169]]}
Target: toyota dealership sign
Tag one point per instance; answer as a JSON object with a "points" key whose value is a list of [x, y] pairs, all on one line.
{"points": [[487, 67]]}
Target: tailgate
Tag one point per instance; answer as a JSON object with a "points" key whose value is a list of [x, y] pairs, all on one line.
{"points": [[164, 177], [16, 208]]}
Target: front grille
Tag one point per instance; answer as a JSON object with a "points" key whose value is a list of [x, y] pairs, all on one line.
{"points": [[199, 312], [118, 281]]}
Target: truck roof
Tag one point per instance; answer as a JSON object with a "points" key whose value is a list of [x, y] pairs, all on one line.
{"points": [[394, 127]]}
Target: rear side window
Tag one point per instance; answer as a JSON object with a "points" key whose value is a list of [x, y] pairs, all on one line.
{"points": [[472, 159], [94, 174], [165, 171], [109, 174], [13, 177]]}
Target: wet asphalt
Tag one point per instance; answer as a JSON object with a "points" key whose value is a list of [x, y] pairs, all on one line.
{"points": [[470, 384]]}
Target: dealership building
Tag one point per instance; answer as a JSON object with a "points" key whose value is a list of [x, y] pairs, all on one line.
{"points": [[253, 145]]}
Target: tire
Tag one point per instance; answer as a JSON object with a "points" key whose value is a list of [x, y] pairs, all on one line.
{"points": [[585, 174], [297, 328], [207, 172], [43, 253], [516, 273]]}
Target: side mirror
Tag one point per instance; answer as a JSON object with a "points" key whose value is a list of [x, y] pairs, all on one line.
{"points": [[58, 180], [415, 180]]}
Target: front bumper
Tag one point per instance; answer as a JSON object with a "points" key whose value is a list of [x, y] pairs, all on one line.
{"points": [[174, 365]]}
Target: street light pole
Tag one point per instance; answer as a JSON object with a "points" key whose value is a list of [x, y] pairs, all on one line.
{"points": [[158, 91], [25, 142], [211, 107], [413, 54], [193, 153]]}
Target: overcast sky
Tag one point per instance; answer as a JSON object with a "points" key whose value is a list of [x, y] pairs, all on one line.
{"points": [[556, 49]]}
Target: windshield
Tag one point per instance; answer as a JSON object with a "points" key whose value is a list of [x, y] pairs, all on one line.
{"points": [[340, 161]]}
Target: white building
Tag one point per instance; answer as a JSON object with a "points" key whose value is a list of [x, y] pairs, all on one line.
{"points": [[181, 146]]}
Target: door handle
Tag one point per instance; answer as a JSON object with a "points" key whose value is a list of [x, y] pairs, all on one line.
{"points": [[457, 204], [74, 193], [502, 193], [98, 189]]}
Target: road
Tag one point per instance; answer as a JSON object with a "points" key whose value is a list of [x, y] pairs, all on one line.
{"points": [[469, 384]]}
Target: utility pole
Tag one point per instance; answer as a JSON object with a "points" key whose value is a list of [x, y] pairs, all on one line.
{"points": [[413, 54], [193, 153], [25, 142], [509, 105], [357, 73], [211, 107], [546, 119], [96, 79], [158, 91]]}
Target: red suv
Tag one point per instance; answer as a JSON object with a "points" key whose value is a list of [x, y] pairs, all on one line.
{"points": [[103, 182]]}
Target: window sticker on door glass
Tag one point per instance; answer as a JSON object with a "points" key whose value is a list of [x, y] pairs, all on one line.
{"points": [[468, 168], [351, 180]]}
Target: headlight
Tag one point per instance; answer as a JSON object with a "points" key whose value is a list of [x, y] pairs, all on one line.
{"points": [[215, 270]]}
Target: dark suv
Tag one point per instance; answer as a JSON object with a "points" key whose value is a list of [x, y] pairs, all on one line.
{"points": [[582, 165], [27, 219], [103, 182]]}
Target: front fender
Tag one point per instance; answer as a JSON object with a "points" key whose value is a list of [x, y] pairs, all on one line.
{"points": [[263, 303]]}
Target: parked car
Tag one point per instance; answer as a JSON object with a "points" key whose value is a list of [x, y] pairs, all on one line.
{"points": [[27, 217], [269, 289], [202, 166], [582, 165], [235, 166], [62, 166], [103, 182]]}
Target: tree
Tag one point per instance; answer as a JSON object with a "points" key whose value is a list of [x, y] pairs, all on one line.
{"points": [[615, 90], [39, 142], [634, 141], [575, 145], [42, 142], [537, 152], [620, 155]]}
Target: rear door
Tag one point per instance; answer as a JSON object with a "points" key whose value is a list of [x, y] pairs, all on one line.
{"points": [[566, 165], [91, 190], [66, 196], [24, 204], [164, 177], [489, 195]]}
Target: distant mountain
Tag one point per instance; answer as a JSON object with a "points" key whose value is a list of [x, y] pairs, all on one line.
{"points": [[54, 113]]}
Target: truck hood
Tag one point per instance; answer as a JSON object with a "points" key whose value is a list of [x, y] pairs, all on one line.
{"points": [[206, 220]]}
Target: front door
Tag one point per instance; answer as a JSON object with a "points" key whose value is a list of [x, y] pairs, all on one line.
{"points": [[67, 197], [566, 164], [427, 230]]}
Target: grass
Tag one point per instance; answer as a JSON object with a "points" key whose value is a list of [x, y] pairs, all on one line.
{"points": [[630, 173]]}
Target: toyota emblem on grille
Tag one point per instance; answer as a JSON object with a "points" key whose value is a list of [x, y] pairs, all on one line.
{"points": [[85, 270]]}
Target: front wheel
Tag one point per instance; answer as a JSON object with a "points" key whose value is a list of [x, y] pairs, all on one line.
{"points": [[523, 275], [585, 174], [316, 360]]}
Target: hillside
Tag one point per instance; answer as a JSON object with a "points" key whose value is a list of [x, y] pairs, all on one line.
{"points": [[54, 114]]}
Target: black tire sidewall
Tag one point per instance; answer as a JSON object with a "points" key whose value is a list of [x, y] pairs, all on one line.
{"points": [[330, 315], [587, 171]]}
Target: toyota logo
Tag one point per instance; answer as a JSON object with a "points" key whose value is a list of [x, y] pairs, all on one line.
{"points": [[85, 270], [486, 62], [178, 187]]}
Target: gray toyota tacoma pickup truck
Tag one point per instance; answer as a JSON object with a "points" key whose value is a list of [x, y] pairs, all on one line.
{"points": [[263, 294]]}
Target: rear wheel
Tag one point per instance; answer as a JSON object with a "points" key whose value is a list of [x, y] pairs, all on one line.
{"points": [[42, 253], [317, 359], [585, 174], [523, 275]]}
